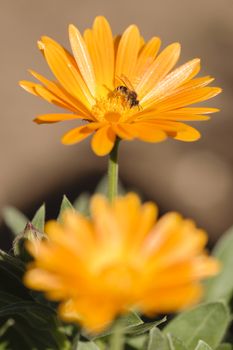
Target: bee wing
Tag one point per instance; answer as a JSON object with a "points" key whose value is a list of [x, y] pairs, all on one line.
{"points": [[127, 83], [123, 79]]}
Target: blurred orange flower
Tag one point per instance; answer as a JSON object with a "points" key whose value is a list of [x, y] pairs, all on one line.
{"points": [[119, 259], [120, 86]]}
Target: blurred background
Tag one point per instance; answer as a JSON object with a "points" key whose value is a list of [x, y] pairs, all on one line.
{"points": [[193, 178]]}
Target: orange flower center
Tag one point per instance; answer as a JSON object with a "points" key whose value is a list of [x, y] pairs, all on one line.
{"points": [[115, 107], [119, 278]]}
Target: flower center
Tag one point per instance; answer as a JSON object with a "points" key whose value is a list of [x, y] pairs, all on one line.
{"points": [[113, 108]]}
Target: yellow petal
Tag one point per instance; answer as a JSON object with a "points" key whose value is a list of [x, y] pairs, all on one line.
{"points": [[206, 266], [94, 314], [82, 57], [163, 301], [106, 227], [177, 114], [72, 103], [78, 134], [187, 133], [179, 131], [159, 69], [148, 132], [189, 97], [137, 224], [124, 131], [50, 97], [100, 45], [195, 83], [42, 280], [55, 118], [127, 52], [103, 141], [198, 110], [28, 86], [116, 41], [43, 92], [66, 71], [172, 81], [146, 58]]}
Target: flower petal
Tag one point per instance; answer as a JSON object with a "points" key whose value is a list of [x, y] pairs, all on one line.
{"points": [[47, 95], [198, 110], [187, 133], [43, 92], [127, 52], [177, 114], [195, 83], [82, 57], [148, 132], [178, 131], [72, 103], [181, 297], [103, 140], [100, 45], [185, 98], [159, 69], [124, 131], [28, 86], [106, 227], [95, 314], [172, 81], [146, 58], [66, 71], [55, 118], [78, 134]]}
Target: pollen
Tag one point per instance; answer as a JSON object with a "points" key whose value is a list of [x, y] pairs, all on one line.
{"points": [[113, 108]]}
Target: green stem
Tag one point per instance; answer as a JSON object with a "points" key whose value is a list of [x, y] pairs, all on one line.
{"points": [[113, 172]]}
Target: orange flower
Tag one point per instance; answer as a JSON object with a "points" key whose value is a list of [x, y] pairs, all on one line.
{"points": [[98, 84], [119, 259]]}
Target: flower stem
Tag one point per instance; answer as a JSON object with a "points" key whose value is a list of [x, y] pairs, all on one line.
{"points": [[113, 172]]}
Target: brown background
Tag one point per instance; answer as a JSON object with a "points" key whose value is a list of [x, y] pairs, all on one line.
{"points": [[195, 179]]}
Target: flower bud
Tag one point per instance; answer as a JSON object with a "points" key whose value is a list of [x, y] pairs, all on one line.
{"points": [[30, 233]]}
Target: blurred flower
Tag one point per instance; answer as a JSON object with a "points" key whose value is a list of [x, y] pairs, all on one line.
{"points": [[119, 259], [98, 84]]}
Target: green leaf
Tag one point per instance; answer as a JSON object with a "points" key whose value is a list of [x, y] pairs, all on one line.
{"points": [[224, 346], [34, 324], [6, 326], [89, 345], [127, 322], [117, 339], [65, 204], [208, 322], [202, 346], [143, 328], [81, 204], [14, 219], [3, 346], [138, 342], [38, 220], [11, 272], [39, 315], [157, 340], [221, 286], [175, 343]]}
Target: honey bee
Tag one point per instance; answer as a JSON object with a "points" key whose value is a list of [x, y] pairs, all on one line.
{"points": [[128, 91]]}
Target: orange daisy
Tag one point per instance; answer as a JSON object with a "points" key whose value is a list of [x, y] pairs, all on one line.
{"points": [[121, 258], [121, 87]]}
